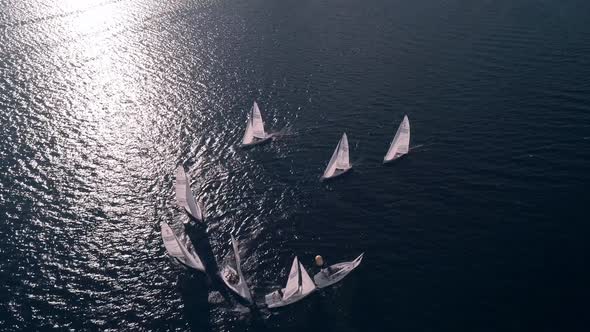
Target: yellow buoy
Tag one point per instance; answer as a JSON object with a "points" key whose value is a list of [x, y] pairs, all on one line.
{"points": [[319, 261]]}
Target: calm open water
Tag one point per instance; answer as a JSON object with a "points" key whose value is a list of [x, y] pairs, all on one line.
{"points": [[483, 227]]}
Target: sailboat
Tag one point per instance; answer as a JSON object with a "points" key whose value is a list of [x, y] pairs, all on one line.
{"points": [[184, 195], [255, 133], [183, 251], [299, 285], [338, 271], [233, 277], [401, 142], [339, 163]]}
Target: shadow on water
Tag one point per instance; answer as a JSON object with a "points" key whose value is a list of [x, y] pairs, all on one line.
{"points": [[194, 290], [197, 288], [197, 233]]}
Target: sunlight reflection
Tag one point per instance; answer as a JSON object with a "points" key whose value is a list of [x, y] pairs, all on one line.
{"points": [[105, 72], [92, 15]]}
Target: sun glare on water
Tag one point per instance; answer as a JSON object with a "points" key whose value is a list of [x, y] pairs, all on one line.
{"points": [[103, 69], [90, 16]]}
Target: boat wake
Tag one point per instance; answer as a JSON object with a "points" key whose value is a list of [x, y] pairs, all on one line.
{"points": [[215, 297], [286, 131], [358, 162], [420, 147], [241, 310]]}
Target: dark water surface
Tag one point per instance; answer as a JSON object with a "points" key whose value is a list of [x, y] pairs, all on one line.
{"points": [[483, 227]]}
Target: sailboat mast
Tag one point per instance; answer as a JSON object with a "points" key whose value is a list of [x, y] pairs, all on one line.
{"points": [[300, 280]]}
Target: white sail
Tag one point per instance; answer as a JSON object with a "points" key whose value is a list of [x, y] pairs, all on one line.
{"points": [[307, 284], [192, 259], [401, 142], [340, 159], [184, 194], [249, 134], [242, 285], [234, 243], [293, 282], [179, 249], [343, 161], [172, 246], [257, 124], [298, 287], [332, 164]]}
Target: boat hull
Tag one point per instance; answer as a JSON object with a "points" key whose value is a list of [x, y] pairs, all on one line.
{"points": [[338, 173], [396, 157], [257, 142], [232, 287], [322, 279], [274, 299]]}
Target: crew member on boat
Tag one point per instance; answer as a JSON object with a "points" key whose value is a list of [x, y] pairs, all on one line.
{"points": [[231, 276], [325, 268]]}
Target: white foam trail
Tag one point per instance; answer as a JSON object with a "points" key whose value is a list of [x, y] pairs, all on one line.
{"points": [[419, 146], [286, 131]]}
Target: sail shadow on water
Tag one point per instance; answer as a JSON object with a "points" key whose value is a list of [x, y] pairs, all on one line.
{"points": [[190, 246], [194, 292], [193, 283], [220, 295], [231, 274], [198, 236]]}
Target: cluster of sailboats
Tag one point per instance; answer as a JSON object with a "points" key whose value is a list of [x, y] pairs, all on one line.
{"points": [[299, 284], [340, 162]]}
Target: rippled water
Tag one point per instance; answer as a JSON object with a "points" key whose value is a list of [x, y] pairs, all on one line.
{"points": [[482, 227]]}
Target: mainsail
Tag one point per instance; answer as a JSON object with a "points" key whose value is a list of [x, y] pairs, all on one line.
{"points": [[192, 259], [242, 286], [234, 243], [172, 246], [401, 142], [340, 159], [182, 250], [257, 124], [184, 195], [249, 134]]}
